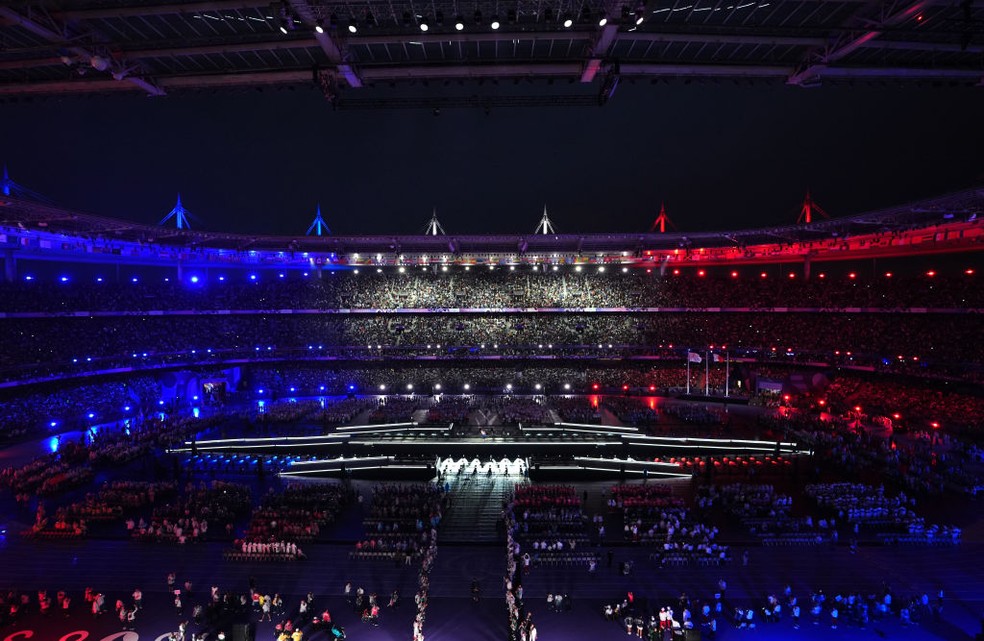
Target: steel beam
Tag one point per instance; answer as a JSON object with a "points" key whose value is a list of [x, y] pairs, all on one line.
{"points": [[855, 40], [598, 51], [57, 38], [331, 48], [159, 10]]}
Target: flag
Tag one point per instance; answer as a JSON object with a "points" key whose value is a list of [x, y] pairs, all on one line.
{"points": [[716, 358], [694, 357]]}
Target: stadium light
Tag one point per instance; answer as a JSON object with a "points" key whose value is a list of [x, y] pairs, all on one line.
{"points": [[319, 26], [509, 386], [459, 24], [382, 388], [467, 387], [495, 23], [603, 21], [567, 386], [568, 23]]}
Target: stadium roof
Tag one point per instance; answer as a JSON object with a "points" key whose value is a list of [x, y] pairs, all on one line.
{"points": [[156, 47], [21, 216]]}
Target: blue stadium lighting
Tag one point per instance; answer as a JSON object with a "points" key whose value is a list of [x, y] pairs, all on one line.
{"points": [[352, 388], [53, 443], [194, 398], [29, 277], [259, 391], [75, 360], [99, 279], [134, 279], [88, 359], [53, 424], [195, 412], [64, 279], [252, 276], [126, 408], [322, 388], [194, 351], [222, 278], [293, 389], [91, 415], [281, 275], [166, 280], [145, 354], [305, 274], [194, 279], [209, 350], [257, 349]]}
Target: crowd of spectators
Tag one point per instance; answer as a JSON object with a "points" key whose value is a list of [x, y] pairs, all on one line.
{"points": [[400, 522], [297, 513], [652, 516], [481, 287], [60, 345], [197, 511]]}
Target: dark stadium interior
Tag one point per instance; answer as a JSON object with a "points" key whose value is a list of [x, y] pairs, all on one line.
{"points": [[491, 321]]}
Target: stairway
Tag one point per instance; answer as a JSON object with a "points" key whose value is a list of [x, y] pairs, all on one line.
{"points": [[476, 505]]}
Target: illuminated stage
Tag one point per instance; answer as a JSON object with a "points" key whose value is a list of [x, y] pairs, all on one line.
{"points": [[409, 450]]}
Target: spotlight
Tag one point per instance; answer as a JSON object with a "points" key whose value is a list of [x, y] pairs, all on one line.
{"points": [[568, 23], [423, 25], [495, 23], [353, 28], [603, 21], [283, 27], [319, 26], [459, 24], [640, 16]]}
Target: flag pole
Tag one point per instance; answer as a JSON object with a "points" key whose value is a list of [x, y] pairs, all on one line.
{"points": [[727, 375], [707, 377], [688, 371]]}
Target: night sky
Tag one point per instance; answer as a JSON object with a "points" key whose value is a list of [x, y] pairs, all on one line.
{"points": [[720, 156]]}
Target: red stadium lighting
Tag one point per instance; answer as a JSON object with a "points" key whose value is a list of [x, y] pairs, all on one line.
{"points": [[935, 425], [852, 275], [701, 273], [652, 388], [822, 275], [676, 272], [763, 275], [821, 402], [786, 397], [594, 386], [792, 274], [888, 274], [969, 272], [857, 408], [625, 388], [896, 416], [649, 271], [734, 274], [931, 273]]}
